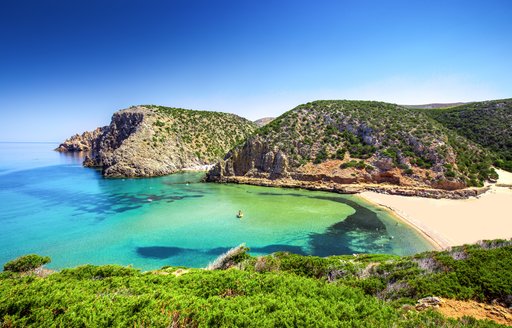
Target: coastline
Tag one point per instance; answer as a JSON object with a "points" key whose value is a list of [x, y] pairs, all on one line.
{"points": [[433, 238], [355, 188], [451, 222]]}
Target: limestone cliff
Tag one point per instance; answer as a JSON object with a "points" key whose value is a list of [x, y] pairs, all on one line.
{"points": [[145, 141], [356, 142]]}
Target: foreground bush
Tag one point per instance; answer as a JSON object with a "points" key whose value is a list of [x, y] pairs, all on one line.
{"points": [[26, 263]]}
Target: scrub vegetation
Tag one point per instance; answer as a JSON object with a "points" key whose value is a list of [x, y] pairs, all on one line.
{"points": [[278, 290], [487, 123], [209, 135], [372, 133]]}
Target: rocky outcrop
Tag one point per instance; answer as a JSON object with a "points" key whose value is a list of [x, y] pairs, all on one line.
{"points": [[428, 302], [350, 146], [81, 142], [348, 188], [145, 141], [120, 151], [254, 159]]}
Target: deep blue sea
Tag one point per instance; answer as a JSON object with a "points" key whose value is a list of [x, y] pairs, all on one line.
{"points": [[51, 205]]}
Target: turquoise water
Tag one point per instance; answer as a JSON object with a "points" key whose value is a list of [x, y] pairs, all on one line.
{"points": [[51, 205]]}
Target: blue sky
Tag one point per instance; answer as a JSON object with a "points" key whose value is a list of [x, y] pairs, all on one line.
{"points": [[66, 66]]}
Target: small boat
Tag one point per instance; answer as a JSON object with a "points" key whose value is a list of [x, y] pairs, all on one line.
{"points": [[240, 214]]}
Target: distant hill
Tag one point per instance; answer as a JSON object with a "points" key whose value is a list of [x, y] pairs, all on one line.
{"points": [[434, 106], [264, 121], [346, 142], [156, 140], [487, 123]]}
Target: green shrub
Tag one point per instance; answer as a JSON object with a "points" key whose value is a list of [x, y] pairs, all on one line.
{"points": [[321, 156], [280, 290], [340, 153], [26, 263]]}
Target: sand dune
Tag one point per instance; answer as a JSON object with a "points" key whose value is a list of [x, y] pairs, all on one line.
{"points": [[449, 222]]}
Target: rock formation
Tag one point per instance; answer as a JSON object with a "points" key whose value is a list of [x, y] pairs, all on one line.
{"points": [[144, 141], [81, 142]]}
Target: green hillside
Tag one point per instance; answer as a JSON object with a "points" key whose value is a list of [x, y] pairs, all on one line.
{"points": [[279, 290], [373, 137], [487, 123], [209, 134]]}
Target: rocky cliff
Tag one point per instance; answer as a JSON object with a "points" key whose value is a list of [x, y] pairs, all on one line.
{"points": [[357, 142], [81, 142], [145, 141]]}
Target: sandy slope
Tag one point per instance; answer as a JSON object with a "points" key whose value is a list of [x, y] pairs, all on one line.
{"points": [[455, 222]]}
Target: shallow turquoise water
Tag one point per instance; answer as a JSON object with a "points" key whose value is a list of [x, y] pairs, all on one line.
{"points": [[51, 205]]}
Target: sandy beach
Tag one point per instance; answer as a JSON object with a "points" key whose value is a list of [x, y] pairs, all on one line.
{"points": [[449, 222]]}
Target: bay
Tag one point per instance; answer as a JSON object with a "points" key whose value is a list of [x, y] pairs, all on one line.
{"points": [[51, 205]]}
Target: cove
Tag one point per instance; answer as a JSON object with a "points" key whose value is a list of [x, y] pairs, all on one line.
{"points": [[75, 216]]}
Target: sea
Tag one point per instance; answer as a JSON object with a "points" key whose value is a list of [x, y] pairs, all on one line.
{"points": [[51, 205]]}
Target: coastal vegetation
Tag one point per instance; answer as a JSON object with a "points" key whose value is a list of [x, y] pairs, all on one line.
{"points": [[368, 140], [487, 123], [207, 134], [26, 263], [281, 289]]}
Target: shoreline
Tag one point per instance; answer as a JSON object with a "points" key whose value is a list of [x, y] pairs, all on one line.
{"points": [[437, 242], [452, 222], [340, 188]]}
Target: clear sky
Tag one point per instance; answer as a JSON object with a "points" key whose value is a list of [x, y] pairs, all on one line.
{"points": [[67, 65]]}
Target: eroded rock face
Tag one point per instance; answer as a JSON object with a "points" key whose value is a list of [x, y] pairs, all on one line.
{"points": [[119, 150], [81, 142], [254, 159]]}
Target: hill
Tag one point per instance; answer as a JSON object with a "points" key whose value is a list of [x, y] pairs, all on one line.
{"points": [[156, 140], [487, 123], [263, 121], [278, 290], [434, 105], [355, 142]]}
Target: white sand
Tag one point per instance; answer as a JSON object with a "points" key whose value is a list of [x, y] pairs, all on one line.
{"points": [[451, 222]]}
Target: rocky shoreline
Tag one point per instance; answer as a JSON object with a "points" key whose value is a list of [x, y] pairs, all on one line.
{"points": [[356, 188]]}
